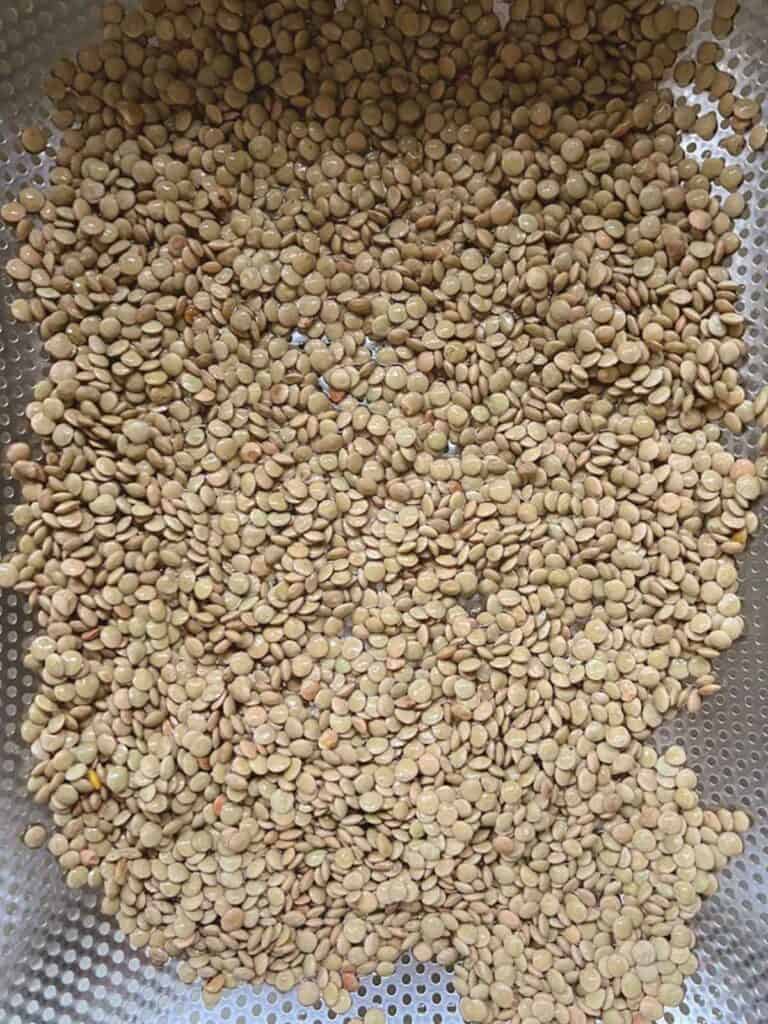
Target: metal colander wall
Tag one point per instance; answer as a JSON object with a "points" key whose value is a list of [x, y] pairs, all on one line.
{"points": [[61, 961]]}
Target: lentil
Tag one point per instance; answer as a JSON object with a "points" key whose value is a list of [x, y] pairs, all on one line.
{"points": [[382, 512]]}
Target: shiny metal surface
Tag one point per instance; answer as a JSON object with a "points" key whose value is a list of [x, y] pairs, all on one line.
{"points": [[62, 962]]}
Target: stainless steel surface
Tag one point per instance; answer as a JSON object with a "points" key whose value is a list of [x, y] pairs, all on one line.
{"points": [[61, 961]]}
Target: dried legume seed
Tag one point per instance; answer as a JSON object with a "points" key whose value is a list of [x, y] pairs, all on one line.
{"points": [[34, 139], [383, 511], [35, 837]]}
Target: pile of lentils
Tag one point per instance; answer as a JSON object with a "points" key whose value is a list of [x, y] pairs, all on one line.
{"points": [[381, 511]]}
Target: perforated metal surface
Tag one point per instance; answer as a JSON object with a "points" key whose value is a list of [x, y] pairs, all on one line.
{"points": [[62, 961]]}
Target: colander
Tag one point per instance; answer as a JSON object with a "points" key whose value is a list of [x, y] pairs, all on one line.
{"points": [[62, 961]]}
